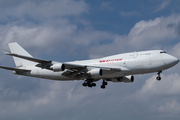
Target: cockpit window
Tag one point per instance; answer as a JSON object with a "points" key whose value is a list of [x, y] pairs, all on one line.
{"points": [[163, 52]]}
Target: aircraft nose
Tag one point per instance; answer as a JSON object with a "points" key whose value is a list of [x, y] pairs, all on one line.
{"points": [[172, 60], [177, 61]]}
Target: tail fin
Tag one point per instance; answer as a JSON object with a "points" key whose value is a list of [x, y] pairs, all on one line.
{"points": [[17, 49]]}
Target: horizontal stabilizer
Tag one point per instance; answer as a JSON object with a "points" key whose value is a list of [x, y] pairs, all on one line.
{"points": [[15, 69], [5, 52]]}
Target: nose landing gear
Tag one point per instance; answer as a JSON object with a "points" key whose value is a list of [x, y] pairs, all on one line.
{"points": [[158, 76]]}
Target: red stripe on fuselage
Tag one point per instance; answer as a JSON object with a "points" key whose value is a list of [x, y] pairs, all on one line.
{"points": [[110, 60]]}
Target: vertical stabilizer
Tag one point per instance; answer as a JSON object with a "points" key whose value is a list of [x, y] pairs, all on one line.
{"points": [[17, 49]]}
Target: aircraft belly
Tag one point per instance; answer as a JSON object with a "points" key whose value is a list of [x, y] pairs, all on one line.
{"points": [[112, 75]]}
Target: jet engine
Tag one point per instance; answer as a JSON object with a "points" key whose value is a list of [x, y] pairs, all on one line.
{"points": [[125, 79], [95, 72], [58, 67]]}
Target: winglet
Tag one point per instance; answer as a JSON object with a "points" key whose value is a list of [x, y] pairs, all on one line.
{"points": [[5, 52]]}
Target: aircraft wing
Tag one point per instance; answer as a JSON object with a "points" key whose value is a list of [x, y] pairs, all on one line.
{"points": [[72, 70], [68, 65], [75, 66], [15, 69], [79, 71]]}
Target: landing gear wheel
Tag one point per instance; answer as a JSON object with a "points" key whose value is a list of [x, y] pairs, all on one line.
{"points": [[103, 86], [84, 84], [158, 78], [105, 83], [94, 84], [89, 85]]}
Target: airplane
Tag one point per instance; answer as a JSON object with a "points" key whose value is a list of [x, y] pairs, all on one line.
{"points": [[115, 68]]}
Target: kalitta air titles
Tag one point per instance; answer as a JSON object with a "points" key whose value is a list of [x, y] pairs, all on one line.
{"points": [[110, 60]]}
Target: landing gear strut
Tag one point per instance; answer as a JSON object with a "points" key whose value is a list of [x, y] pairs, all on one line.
{"points": [[89, 83], [104, 83], [158, 76]]}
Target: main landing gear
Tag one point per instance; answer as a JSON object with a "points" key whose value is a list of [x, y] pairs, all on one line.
{"points": [[158, 76], [104, 83], [89, 83]]}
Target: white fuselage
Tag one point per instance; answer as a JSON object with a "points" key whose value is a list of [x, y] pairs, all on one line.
{"points": [[130, 63]]}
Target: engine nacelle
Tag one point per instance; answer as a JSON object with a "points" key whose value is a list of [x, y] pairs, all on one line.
{"points": [[95, 72], [125, 79], [58, 67]]}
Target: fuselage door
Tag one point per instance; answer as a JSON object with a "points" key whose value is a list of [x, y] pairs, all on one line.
{"points": [[135, 54]]}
